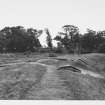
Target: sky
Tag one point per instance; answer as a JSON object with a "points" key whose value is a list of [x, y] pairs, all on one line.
{"points": [[53, 14]]}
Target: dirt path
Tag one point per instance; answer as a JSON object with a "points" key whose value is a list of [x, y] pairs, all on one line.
{"points": [[52, 87], [93, 74]]}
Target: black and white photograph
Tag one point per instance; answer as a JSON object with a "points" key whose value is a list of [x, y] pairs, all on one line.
{"points": [[52, 50]]}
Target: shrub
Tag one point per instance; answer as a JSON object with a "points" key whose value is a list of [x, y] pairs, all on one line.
{"points": [[52, 55], [101, 48]]}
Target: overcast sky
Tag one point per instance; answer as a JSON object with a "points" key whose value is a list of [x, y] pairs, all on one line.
{"points": [[53, 14]]}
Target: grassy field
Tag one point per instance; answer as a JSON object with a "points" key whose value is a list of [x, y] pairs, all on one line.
{"points": [[40, 77]]}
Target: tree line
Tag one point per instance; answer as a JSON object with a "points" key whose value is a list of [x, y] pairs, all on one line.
{"points": [[18, 39]]}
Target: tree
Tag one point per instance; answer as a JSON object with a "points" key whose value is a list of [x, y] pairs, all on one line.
{"points": [[5, 36], [49, 39], [88, 40], [18, 39], [34, 35], [3, 42], [91, 40], [69, 38]]}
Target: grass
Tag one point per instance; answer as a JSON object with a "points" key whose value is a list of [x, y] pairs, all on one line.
{"points": [[35, 81]]}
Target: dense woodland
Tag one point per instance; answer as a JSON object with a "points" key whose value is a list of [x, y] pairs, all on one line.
{"points": [[18, 39]]}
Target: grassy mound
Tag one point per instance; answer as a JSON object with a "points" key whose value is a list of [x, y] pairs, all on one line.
{"points": [[92, 62]]}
